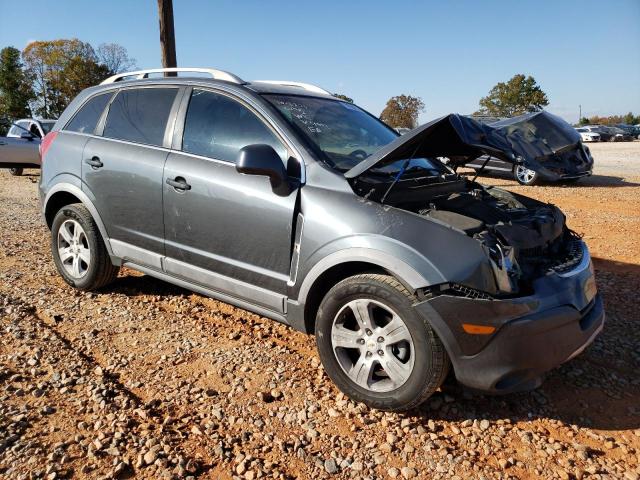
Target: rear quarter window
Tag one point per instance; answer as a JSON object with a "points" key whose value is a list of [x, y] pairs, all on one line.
{"points": [[86, 119], [140, 115]]}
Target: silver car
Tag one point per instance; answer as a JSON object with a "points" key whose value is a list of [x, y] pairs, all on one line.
{"points": [[20, 148], [281, 199]]}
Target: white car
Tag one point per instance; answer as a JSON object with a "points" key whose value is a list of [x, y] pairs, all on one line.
{"points": [[588, 135]]}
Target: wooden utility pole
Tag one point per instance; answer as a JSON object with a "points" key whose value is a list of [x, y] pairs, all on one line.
{"points": [[167, 34]]}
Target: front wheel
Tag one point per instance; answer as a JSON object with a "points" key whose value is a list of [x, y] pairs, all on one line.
{"points": [[16, 172], [524, 176], [376, 347]]}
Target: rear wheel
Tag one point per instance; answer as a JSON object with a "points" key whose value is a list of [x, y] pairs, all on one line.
{"points": [[524, 176], [16, 172], [375, 346], [78, 250]]}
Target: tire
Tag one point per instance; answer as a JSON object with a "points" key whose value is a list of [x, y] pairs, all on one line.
{"points": [[419, 363], [78, 250], [16, 172], [524, 176]]}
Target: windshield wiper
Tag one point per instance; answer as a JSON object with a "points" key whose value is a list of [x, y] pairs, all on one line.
{"points": [[395, 180]]}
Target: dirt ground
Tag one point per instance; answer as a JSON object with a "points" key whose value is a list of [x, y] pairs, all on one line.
{"points": [[146, 380]]}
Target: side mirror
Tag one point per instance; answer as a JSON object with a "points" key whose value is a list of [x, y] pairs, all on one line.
{"points": [[26, 136], [263, 160]]}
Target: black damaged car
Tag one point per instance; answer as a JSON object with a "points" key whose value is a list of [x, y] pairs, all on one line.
{"points": [[558, 155]]}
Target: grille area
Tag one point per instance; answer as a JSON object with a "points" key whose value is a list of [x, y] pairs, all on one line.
{"points": [[463, 291], [569, 260]]}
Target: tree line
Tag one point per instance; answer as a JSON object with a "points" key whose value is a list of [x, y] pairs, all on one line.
{"points": [[42, 80], [628, 119]]}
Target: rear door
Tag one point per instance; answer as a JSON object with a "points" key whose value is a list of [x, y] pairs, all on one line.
{"points": [[122, 170], [227, 231]]}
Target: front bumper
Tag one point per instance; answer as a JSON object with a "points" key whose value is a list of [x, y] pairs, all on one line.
{"points": [[533, 335], [551, 176]]}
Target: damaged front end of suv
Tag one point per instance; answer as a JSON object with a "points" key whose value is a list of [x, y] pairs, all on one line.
{"points": [[542, 307]]}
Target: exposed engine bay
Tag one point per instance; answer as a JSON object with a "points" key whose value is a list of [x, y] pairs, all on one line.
{"points": [[524, 238]]}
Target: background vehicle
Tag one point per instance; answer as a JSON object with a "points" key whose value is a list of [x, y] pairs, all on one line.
{"points": [[284, 200], [630, 131], [605, 134], [531, 176], [20, 148], [587, 135]]}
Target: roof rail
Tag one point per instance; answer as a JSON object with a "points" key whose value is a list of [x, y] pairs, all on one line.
{"points": [[216, 74], [306, 86]]}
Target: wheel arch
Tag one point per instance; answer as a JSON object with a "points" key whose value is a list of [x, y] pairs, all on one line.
{"points": [[346, 263], [64, 194]]}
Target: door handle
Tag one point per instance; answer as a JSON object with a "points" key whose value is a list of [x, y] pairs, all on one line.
{"points": [[179, 183], [3, 143], [94, 162]]}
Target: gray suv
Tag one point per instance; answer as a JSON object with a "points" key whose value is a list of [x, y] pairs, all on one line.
{"points": [[281, 199]]}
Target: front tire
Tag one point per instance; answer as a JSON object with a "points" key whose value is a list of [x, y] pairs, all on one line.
{"points": [[524, 176], [16, 172], [78, 250], [376, 347]]}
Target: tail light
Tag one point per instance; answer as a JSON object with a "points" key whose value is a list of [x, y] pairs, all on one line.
{"points": [[46, 143]]}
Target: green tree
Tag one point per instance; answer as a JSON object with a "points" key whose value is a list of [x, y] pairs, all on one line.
{"points": [[343, 97], [15, 88], [517, 96], [584, 121], [630, 119], [402, 111], [60, 69]]}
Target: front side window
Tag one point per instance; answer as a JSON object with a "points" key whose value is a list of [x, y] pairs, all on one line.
{"points": [[140, 115], [217, 126], [86, 119], [342, 132]]}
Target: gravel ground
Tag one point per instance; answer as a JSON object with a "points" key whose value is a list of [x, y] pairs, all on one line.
{"points": [[147, 380]]}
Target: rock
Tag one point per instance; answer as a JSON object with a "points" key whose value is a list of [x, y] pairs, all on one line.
{"points": [[393, 472], [484, 424], [330, 466], [150, 457], [408, 472]]}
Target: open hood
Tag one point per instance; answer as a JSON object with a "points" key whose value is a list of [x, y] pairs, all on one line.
{"points": [[533, 139]]}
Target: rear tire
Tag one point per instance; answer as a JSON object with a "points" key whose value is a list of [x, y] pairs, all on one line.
{"points": [[78, 250], [16, 172], [397, 363]]}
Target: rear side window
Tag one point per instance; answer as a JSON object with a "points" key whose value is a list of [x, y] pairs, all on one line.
{"points": [[86, 119], [218, 127], [140, 115]]}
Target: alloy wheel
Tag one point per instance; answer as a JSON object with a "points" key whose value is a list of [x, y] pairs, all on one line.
{"points": [[524, 174], [73, 249], [373, 345]]}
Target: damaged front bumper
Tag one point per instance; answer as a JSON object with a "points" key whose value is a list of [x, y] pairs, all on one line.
{"points": [[532, 335]]}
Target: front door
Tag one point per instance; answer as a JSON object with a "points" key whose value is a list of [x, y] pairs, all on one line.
{"points": [[122, 172], [226, 231]]}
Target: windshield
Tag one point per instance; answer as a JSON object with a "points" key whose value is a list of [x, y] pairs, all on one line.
{"points": [[344, 133]]}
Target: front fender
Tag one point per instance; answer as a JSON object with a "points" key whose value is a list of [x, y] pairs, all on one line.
{"points": [[406, 264]]}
